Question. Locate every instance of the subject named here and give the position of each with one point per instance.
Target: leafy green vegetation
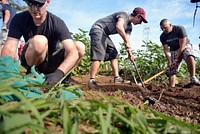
(105, 115)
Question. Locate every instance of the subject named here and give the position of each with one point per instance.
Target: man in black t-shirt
(43, 32)
(177, 47)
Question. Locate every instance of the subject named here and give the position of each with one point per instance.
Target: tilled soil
(181, 103)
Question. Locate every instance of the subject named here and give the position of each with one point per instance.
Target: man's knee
(39, 44)
(190, 58)
(80, 47)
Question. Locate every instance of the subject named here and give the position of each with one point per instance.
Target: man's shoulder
(124, 12)
(162, 35)
(178, 27)
(24, 15)
(53, 16)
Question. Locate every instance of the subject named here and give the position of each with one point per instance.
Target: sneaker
(121, 80)
(67, 81)
(194, 81)
(93, 85)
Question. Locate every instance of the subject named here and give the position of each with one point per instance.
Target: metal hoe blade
(139, 74)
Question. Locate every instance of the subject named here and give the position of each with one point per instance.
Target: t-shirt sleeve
(14, 29)
(124, 15)
(181, 33)
(162, 39)
(63, 31)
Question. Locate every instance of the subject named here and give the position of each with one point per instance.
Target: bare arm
(71, 56)
(10, 47)
(125, 36)
(122, 33)
(167, 53)
(182, 44)
(7, 16)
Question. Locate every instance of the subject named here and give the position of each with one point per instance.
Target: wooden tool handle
(156, 75)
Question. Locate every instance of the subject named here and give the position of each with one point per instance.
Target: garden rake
(143, 95)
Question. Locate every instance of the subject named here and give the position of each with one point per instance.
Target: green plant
(108, 114)
(150, 59)
(85, 63)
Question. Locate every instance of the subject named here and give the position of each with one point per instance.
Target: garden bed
(181, 103)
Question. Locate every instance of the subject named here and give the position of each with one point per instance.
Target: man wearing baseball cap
(140, 11)
(102, 47)
(43, 32)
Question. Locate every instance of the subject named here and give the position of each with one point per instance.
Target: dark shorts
(49, 65)
(102, 47)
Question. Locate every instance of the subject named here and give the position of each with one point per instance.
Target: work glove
(53, 78)
(4, 26)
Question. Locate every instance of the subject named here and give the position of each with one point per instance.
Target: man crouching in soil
(42, 32)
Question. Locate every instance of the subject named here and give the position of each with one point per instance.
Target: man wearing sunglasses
(102, 47)
(8, 13)
(43, 33)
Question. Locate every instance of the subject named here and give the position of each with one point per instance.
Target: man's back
(108, 23)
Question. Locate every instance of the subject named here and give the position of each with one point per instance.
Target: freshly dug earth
(181, 103)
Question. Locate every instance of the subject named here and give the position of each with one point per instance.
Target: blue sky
(82, 14)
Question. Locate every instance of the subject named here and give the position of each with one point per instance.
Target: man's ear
(48, 1)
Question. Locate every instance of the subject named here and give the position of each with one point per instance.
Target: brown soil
(181, 103)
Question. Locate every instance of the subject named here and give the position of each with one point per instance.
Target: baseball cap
(140, 11)
(40, 1)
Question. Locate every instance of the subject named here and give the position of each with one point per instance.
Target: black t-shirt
(172, 38)
(53, 28)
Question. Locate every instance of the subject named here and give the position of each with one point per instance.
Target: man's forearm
(69, 62)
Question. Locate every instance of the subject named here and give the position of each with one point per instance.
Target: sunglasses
(31, 3)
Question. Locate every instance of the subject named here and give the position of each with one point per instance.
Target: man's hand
(53, 78)
(172, 65)
(127, 46)
(130, 56)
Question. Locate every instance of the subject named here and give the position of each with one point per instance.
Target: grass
(106, 115)
(45, 113)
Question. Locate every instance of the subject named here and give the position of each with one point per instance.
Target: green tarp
(10, 77)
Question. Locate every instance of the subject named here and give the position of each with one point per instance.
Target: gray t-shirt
(172, 38)
(108, 23)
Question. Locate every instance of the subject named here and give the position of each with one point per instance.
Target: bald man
(177, 47)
